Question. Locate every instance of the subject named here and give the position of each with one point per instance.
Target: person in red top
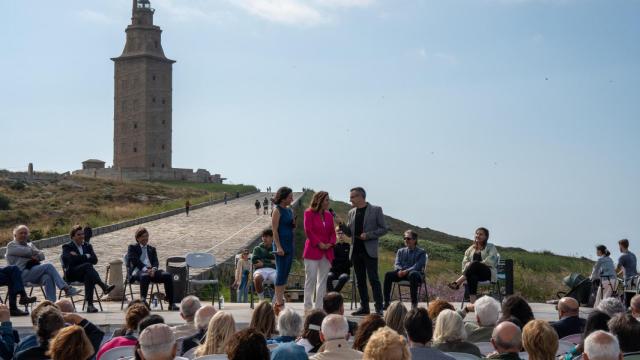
(318, 252)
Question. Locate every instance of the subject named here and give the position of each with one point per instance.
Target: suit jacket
(69, 261)
(374, 226)
(193, 341)
(337, 350)
(569, 326)
(133, 257)
(425, 352)
(317, 233)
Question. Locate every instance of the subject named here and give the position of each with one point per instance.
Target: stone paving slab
(220, 229)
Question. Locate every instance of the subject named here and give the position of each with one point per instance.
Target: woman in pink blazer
(318, 249)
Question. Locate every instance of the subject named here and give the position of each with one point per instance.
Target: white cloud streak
(94, 17)
(290, 12)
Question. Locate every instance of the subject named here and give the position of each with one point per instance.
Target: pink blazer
(318, 232)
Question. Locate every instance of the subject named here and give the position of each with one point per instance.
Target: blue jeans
(243, 288)
(46, 275)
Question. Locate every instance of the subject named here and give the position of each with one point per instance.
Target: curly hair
(386, 344)
(70, 343)
(221, 329)
(368, 325)
(247, 344)
(134, 315)
(264, 319)
(540, 340)
(436, 306)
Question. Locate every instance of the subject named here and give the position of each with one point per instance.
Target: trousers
(88, 275)
(315, 278)
(415, 280)
(365, 266)
(46, 275)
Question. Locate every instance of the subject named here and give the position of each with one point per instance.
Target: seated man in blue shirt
(409, 265)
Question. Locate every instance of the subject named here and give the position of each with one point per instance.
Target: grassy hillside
(51, 208)
(538, 275)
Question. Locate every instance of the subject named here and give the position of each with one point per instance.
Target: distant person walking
(237, 194)
(225, 198)
(187, 205)
(265, 206)
(283, 222)
(365, 225)
(257, 205)
(272, 205)
(318, 252)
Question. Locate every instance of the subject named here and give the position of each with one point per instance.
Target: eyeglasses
(408, 238)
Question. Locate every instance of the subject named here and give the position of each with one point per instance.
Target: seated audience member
(145, 323)
(570, 322)
(436, 306)
(289, 327)
(334, 334)
(134, 315)
(611, 306)
(333, 303)
(11, 277)
(263, 261)
(386, 344)
(143, 264)
(289, 351)
(188, 307)
(517, 310)
(601, 345)
(7, 339)
(597, 320)
(50, 321)
(420, 331)
(507, 341)
(247, 344)
(26, 256)
(65, 306)
(394, 317)
(635, 305)
(540, 340)
(241, 278)
(70, 343)
(221, 327)
(202, 319)
(366, 328)
(487, 311)
(449, 334)
(340, 266)
(78, 259)
(32, 340)
(310, 339)
(263, 319)
(627, 329)
(409, 265)
(157, 342)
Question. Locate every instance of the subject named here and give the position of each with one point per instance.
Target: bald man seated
(157, 342)
(570, 322)
(507, 340)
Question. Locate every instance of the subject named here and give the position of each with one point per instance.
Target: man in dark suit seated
(78, 259)
(570, 323)
(143, 265)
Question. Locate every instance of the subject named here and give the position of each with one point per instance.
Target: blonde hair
(394, 317)
(264, 319)
(221, 329)
(316, 201)
(70, 343)
(540, 340)
(449, 327)
(386, 344)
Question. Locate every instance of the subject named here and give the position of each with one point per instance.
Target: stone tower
(142, 96)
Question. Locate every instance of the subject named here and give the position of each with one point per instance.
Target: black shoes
(17, 312)
(26, 300)
(91, 309)
(361, 312)
(108, 289)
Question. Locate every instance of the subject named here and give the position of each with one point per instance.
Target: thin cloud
(94, 17)
(344, 3)
(290, 12)
(182, 11)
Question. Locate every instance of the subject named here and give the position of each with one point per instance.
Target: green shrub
(36, 234)
(18, 186)
(5, 203)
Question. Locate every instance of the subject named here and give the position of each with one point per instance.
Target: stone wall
(129, 174)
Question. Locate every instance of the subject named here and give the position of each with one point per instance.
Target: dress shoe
(18, 312)
(26, 300)
(379, 312)
(91, 309)
(361, 312)
(71, 291)
(386, 306)
(108, 289)
(173, 307)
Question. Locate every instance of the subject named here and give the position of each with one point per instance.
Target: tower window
(163, 121)
(153, 164)
(135, 149)
(163, 166)
(124, 105)
(163, 101)
(155, 44)
(162, 146)
(153, 99)
(153, 77)
(135, 125)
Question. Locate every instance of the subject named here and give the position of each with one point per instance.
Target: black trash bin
(177, 267)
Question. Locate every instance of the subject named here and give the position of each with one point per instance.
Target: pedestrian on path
(225, 198)
(283, 222)
(187, 205)
(257, 205)
(265, 206)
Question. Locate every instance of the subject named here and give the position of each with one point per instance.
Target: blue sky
(519, 115)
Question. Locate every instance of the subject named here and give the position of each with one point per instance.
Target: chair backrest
(213, 357)
(191, 354)
(485, 347)
(200, 260)
(462, 356)
(564, 347)
(574, 339)
(120, 352)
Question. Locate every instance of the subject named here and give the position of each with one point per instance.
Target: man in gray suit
(365, 224)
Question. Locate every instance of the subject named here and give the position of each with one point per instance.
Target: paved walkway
(218, 229)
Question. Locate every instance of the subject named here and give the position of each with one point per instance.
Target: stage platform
(113, 318)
